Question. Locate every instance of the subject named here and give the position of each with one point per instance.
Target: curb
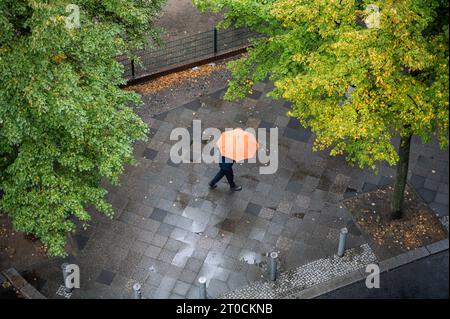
(360, 274)
(21, 285)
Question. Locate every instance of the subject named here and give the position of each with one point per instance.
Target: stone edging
(358, 275)
(19, 283)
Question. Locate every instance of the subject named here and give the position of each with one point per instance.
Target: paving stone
(253, 209)
(426, 194)
(158, 214)
(150, 225)
(173, 245)
(440, 209)
(152, 251)
(166, 256)
(150, 154)
(266, 213)
(173, 271)
(178, 234)
(216, 288)
(425, 161)
(159, 240)
(417, 181)
(145, 236)
(302, 201)
(275, 229)
(181, 288)
(171, 219)
(194, 264)
(443, 188)
(105, 277)
(236, 280)
(188, 276)
(441, 198)
(257, 234)
(194, 105)
(368, 187)
(263, 188)
(431, 184)
(165, 230)
(294, 187)
(384, 181)
(284, 206)
(184, 223)
(280, 218)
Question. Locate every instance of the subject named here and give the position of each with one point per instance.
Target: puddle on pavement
(182, 200)
(251, 258)
(228, 225)
(250, 177)
(193, 179)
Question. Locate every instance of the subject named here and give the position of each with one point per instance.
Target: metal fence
(185, 51)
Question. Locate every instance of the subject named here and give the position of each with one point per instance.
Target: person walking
(226, 169)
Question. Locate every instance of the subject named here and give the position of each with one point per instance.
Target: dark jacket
(226, 164)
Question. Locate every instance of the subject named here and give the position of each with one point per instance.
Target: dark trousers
(224, 172)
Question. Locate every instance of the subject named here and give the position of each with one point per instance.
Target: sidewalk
(170, 229)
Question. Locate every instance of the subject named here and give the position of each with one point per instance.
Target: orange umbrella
(237, 144)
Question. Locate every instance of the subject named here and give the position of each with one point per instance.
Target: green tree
(357, 72)
(65, 125)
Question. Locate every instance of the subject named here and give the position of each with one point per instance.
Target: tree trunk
(402, 175)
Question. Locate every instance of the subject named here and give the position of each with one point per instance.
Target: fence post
(216, 48)
(342, 240)
(133, 73)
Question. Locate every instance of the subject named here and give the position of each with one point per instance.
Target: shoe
(236, 188)
(212, 186)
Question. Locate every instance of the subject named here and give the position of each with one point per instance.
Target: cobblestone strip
(306, 276)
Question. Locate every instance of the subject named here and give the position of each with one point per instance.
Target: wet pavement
(170, 228)
(431, 282)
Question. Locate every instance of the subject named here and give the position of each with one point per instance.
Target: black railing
(185, 51)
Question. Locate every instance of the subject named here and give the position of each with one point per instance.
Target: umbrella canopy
(237, 144)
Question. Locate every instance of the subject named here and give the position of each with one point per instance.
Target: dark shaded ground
(6, 289)
(425, 278)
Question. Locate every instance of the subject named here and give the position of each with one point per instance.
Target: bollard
(65, 274)
(342, 239)
(137, 291)
(273, 265)
(202, 287)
